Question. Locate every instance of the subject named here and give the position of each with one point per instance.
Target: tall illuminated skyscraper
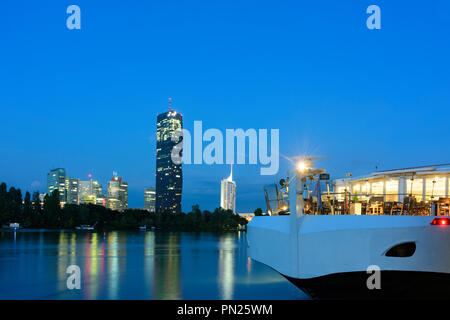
(117, 194)
(169, 176)
(72, 191)
(123, 195)
(150, 199)
(56, 180)
(228, 193)
(89, 191)
(96, 187)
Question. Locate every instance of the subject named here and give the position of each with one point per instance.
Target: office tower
(169, 177)
(96, 187)
(56, 180)
(86, 194)
(117, 198)
(123, 195)
(88, 191)
(150, 199)
(85, 188)
(113, 202)
(101, 200)
(72, 194)
(228, 193)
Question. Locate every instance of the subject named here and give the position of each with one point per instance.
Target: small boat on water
(146, 228)
(336, 254)
(13, 225)
(86, 227)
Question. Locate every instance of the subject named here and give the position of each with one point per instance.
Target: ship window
(377, 189)
(415, 188)
(392, 190)
(340, 193)
(402, 250)
(435, 188)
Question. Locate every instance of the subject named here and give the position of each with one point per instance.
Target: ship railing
(346, 203)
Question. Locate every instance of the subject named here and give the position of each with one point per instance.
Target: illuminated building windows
(228, 193)
(414, 187)
(340, 193)
(150, 199)
(377, 188)
(365, 188)
(392, 190)
(434, 188)
(169, 176)
(448, 187)
(426, 186)
(56, 180)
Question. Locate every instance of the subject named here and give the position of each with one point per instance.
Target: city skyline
(76, 191)
(332, 87)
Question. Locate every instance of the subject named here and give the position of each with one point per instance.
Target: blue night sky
(87, 99)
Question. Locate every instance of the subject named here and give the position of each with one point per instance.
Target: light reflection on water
(135, 265)
(226, 264)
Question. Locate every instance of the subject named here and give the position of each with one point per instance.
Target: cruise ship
(386, 235)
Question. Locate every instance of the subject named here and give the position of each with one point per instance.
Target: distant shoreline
(111, 230)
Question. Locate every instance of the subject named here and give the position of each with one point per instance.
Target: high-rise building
(56, 180)
(117, 198)
(84, 188)
(123, 195)
(101, 200)
(150, 199)
(88, 191)
(169, 177)
(228, 193)
(72, 194)
(113, 202)
(96, 187)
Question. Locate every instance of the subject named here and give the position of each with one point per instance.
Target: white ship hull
(328, 256)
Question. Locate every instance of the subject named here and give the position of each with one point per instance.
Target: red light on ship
(440, 222)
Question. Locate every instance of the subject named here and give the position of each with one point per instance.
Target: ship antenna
(170, 104)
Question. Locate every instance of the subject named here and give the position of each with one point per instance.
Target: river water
(135, 265)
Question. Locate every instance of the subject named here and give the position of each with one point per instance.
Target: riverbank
(29, 213)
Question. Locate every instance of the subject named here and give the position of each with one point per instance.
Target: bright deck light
(301, 166)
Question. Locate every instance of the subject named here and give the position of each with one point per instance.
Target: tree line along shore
(29, 213)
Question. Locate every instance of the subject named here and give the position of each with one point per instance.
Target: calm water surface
(135, 265)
